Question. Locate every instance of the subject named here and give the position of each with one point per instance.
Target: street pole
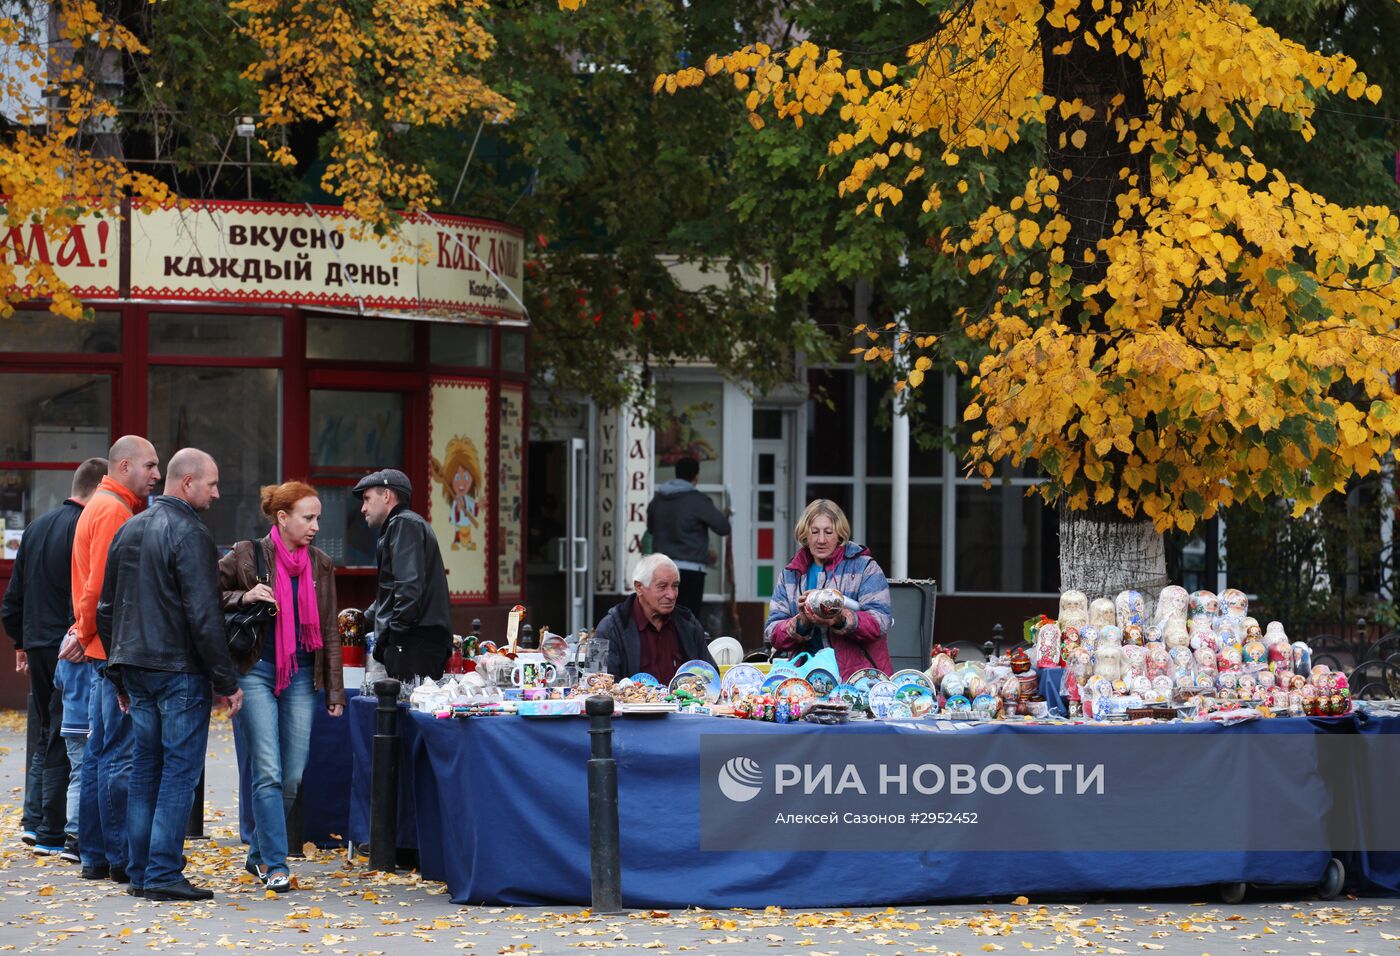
(605, 853)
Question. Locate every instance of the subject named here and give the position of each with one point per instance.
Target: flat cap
(385, 478)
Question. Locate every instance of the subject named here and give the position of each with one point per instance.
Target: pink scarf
(309, 639)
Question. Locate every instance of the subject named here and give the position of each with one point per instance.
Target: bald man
(133, 468)
(161, 621)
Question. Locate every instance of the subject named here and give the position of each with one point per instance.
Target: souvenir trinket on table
(1173, 603)
(824, 682)
(739, 681)
(881, 697)
(1047, 645)
(1102, 613)
(351, 624)
(1020, 661)
(863, 678)
(1204, 604)
(1074, 609)
(1130, 608)
(1133, 634)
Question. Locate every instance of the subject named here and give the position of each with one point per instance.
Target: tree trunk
(1101, 554)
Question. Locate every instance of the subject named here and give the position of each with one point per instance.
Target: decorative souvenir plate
(866, 676)
(704, 668)
(823, 682)
(911, 676)
(796, 690)
(643, 678)
(699, 686)
(783, 669)
(771, 682)
(881, 697)
(853, 696)
(740, 680)
(555, 650)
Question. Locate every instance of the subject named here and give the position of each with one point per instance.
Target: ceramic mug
(526, 673)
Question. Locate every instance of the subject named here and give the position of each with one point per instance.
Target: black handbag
(245, 623)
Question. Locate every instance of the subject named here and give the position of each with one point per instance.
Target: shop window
(233, 414)
(352, 434)
(358, 340)
(512, 350)
(24, 496)
(926, 419)
(55, 416)
(842, 494)
(468, 345)
(1006, 541)
(925, 528)
(831, 422)
(692, 426)
(220, 335)
(33, 331)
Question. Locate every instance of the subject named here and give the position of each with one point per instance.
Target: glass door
(557, 543)
(352, 433)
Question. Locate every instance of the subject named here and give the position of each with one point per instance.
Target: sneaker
(98, 871)
(70, 851)
(42, 850)
(279, 882)
(28, 837)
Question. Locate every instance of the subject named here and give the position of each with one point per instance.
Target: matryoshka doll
(1162, 687)
(1255, 654)
(1089, 638)
(1229, 659)
(1247, 687)
(1108, 662)
(1159, 662)
(1175, 634)
(1132, 634)
(1047, 644)
(1302, 658)
(1134, 661)
(1230, 634)
(1130, 608)
(1173, 602)
(1205, 660)
(1152, 634)
(1234, 604)
(1110, 634)
(1204, 604)
(1074, 609)
(1183, 667)
(1102, 613)
(1202, 634)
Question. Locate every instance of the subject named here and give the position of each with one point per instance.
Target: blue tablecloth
(325, 785)
(515, 791)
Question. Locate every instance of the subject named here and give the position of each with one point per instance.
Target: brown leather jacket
(238, 573)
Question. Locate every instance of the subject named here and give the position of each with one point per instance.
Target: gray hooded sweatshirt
(680, 518)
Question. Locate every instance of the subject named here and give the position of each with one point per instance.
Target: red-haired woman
(297, 656)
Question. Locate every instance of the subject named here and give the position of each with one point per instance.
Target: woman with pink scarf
(297, 656)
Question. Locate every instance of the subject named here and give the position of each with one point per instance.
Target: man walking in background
(38, 611)
(132, 472)
(680, 519)
(161, 622)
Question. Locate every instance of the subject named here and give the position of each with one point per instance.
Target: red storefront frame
(130, 370)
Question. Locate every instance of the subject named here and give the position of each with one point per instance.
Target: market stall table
(515, 793)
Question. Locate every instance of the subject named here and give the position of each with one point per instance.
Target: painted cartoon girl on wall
(460, 476)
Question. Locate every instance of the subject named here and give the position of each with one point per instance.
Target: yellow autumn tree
(364, 71)
(1175, 326)
(50, 176)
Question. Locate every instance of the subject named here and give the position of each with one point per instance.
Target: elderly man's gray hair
(646, 568)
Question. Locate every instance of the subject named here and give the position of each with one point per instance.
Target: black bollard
(605, 851)
(194, 826)
(384, 779)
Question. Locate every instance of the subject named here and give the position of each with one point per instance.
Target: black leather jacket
(412, 615)
(160, 607)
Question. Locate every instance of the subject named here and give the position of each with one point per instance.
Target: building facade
(287, 347)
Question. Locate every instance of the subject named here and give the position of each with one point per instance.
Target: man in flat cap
(412, 617)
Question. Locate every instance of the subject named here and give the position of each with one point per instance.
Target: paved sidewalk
(342, 908)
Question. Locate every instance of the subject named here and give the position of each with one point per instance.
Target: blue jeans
(170, 721)
(277, 732)
(77, 746)
(106, 773)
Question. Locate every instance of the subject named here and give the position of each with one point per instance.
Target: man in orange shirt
(132, 472)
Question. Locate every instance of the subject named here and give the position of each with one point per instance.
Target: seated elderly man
(649, 632)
